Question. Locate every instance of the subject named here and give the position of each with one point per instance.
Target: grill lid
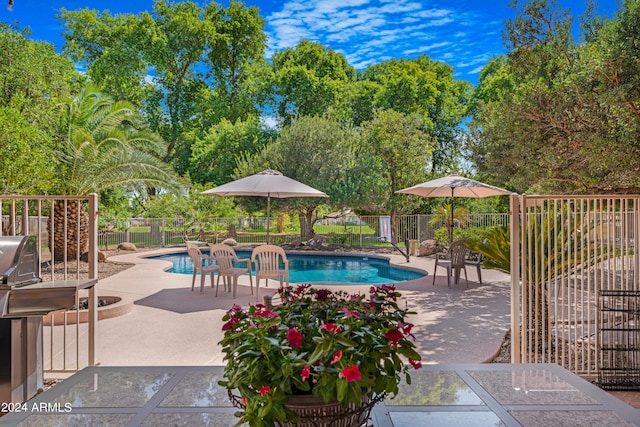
(18, 261)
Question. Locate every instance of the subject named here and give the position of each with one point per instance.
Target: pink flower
(393, 335)
(349, 313)
(294, 337)
(243, 401)
(331, 327)
(264, 390)
(306, 373)
(350, 373)
(389, 288)
(416, 365)
(336, 357)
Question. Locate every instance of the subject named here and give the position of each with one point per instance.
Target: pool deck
(160, 362)
(170, 325)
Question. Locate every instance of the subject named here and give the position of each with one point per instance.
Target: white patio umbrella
(454, 186)
(268, 183)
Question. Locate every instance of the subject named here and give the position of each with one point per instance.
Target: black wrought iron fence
(356, 231)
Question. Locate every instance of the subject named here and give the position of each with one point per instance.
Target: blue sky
(463, 33)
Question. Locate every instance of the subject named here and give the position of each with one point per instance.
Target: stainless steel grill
(24, 299)
(18, 261)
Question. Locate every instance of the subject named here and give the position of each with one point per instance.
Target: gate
(566, 251)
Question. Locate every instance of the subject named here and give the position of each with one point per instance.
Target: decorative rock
(127, 246)
(429, 247)
(317, 241)
(230, 242)
(296, 242)
(102, 257)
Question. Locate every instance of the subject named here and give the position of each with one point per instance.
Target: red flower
(294, 337)
(416, 365)
(336, 357)
(301, 288)
(393, 335)
(350, 373)
(323, 294)
(266, 313)
(306, 372)
(243, 401)
(331, 327)
(265, 389)
(230, 323)
(406, 327)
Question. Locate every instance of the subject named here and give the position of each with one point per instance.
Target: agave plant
(551, 234)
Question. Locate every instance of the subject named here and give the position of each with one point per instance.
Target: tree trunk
(77, 222)
(308, 225)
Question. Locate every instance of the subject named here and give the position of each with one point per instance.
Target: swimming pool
(320, 269)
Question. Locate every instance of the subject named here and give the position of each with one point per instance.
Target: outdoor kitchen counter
(470, 395)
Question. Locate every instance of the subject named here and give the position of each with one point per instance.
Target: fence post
(162, 235)
(516, 204)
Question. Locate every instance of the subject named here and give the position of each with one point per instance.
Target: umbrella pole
(268, 215)
(451, 220)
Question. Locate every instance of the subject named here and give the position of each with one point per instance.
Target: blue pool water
(320, 269)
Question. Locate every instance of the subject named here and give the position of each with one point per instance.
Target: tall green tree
(214, 157)
(562, 122)
(187, 67)
(320, 152)
(236, 58)
(310, 79)
(426, 87)
(34, 81)
(402, 149)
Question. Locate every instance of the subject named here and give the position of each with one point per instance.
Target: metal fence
(66, 229)
(565, 252)
(356, 231)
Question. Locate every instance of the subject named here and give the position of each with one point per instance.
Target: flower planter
(314, 412)
(325, 343)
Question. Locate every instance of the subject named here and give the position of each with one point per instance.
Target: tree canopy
(559, 115)
(558, 112)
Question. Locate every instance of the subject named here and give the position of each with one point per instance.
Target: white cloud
(371, 31)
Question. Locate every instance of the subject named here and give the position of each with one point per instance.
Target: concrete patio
(171, 325)
(160, 362)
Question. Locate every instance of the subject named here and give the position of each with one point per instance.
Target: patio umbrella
(454, 186)
(268, 183)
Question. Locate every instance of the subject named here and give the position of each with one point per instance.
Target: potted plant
(339, 351)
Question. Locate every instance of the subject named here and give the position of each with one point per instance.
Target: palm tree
(105, 146)
(443, 216)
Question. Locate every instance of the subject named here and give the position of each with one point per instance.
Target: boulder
(102, 257)
(429, 247)
(317, 241)
(230, 242)
(127, 246)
